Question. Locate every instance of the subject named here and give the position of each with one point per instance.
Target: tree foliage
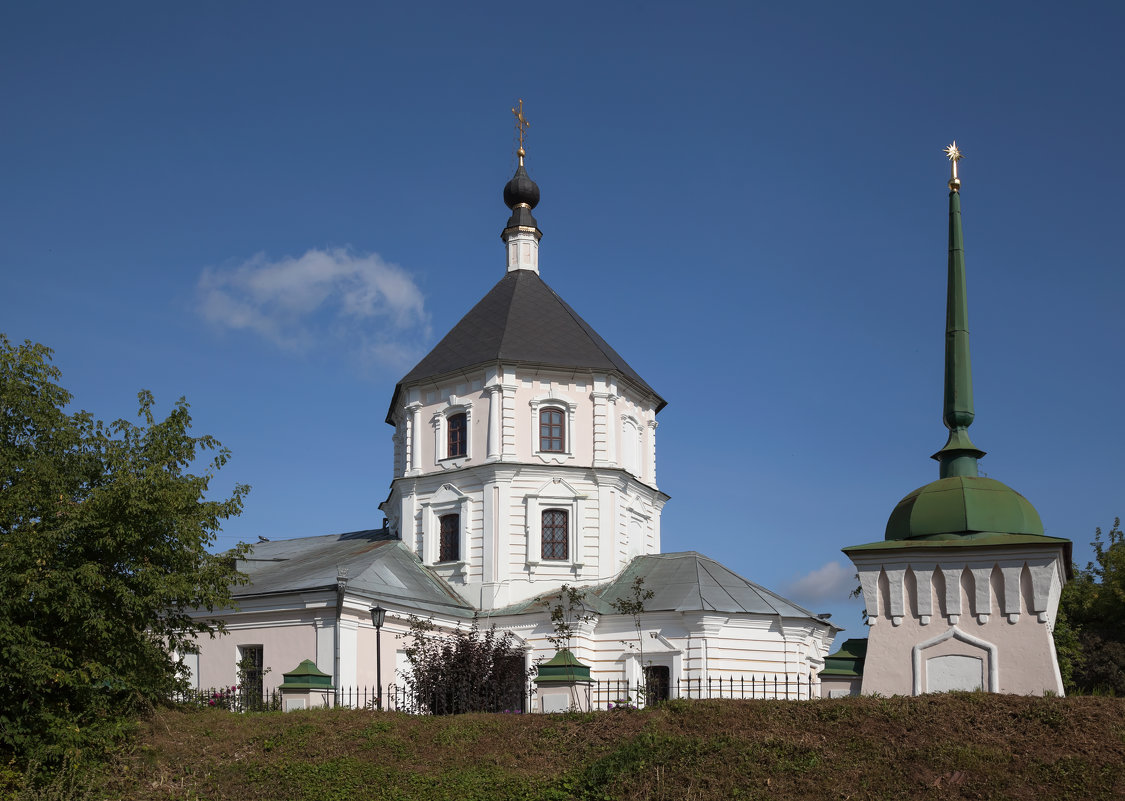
(1090, 633)
(465, 670)
(103, 554)
(633, 605)
(568, 613)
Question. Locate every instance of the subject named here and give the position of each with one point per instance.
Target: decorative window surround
(555, 494)
(956, 633)
(446, 501)
(440, 423)
(568, 409)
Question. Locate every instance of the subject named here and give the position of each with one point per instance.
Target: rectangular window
(251, 670)
(450, 548)
(551, 436)
(457, 440)
(556, 537)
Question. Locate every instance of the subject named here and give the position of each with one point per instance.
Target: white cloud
(301, 303)
(829, 582)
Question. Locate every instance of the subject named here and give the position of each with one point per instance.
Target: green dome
(961, 506)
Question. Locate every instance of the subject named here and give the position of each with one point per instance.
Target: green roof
(562, 667)
(962, 505)
(848, 661)
(306, 676)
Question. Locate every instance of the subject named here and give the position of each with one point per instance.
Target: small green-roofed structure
(307, 676)
(843, 671)
(306, 686)
(563, 684)
(562, 667)
(848, 661)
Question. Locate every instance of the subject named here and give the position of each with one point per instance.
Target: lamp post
(378, 615)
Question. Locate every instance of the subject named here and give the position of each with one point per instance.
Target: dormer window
(457, 435)
(552, 431)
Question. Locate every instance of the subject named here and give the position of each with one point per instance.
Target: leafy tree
(464, 670)
(103, 555)
(1091, 637)
(634, 605)
(567, 613)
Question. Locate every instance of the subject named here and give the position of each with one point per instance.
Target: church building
(524, 459)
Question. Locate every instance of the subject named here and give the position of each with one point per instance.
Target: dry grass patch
(948, 747)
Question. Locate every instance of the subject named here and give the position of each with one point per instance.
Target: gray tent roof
(689, 581)
(522, 320)
(376, 564)
(683, 582)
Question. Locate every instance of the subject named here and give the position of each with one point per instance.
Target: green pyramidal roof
(562, 667)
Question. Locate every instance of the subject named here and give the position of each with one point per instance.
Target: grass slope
(939, 746)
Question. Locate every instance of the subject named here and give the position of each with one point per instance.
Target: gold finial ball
(521, 153)
(955, 184)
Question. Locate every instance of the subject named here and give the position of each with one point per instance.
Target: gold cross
(954, 156)
(521, 126)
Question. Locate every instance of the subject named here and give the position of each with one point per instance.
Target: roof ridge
(701, 567)
(508, 310)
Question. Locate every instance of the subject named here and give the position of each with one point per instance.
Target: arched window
(552, 438)
(556, 534)
(456, 439)
(449, 548)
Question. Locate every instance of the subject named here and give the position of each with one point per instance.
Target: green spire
(959, 456)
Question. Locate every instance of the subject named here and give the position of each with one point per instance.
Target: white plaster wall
(287, 637)
(614, 518)
(599, 404)
(1006, 598)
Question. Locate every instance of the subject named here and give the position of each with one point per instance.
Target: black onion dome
(521, 189)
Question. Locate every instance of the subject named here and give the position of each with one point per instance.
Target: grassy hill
(942, 747)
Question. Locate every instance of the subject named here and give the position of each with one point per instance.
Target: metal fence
(605, 694)
(612, 693)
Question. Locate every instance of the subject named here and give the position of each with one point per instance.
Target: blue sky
(274, 208)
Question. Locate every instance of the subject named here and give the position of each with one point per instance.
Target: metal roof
(689, 581)
(375, 563)
(522, 320)
(686, 581)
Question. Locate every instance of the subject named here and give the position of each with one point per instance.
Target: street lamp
(378, 615)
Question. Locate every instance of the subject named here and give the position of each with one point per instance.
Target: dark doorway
(658, 684)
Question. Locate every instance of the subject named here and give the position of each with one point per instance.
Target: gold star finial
(954, 155)
(521, 128)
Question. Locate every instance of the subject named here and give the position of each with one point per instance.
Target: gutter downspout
(341, 587)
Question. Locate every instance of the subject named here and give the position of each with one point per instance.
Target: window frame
(454, 406)
(449, 538)
(550, 424)
(447, 500)
(567, 410)
(451, 429)
(256, 675)
(558, 495)
(554, 528)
